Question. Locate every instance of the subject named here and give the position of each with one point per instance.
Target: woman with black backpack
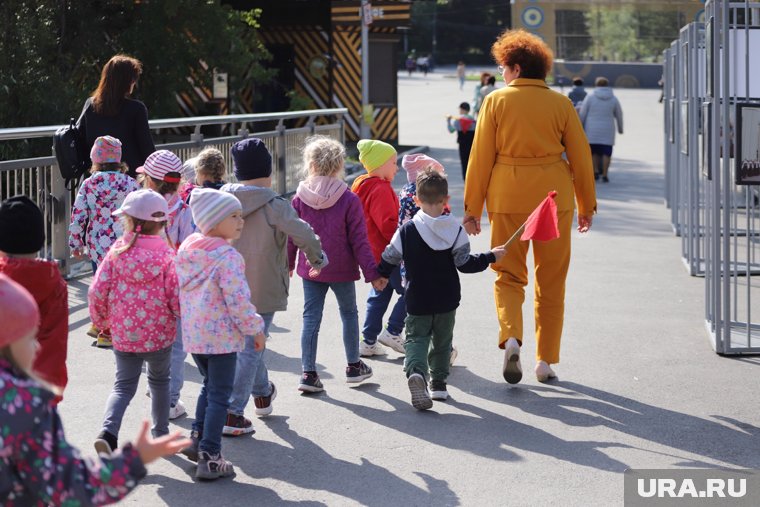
(110, 112)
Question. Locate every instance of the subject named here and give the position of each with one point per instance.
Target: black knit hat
(22, 228)
(252, 159)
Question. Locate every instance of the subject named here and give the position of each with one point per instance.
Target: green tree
(51, 52)
(615, 33)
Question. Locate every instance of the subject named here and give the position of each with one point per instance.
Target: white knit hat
(211, 206)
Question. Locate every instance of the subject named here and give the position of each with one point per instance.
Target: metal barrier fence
(712, 157)
(39, 178)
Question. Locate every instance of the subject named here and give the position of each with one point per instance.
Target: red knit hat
(18, 312)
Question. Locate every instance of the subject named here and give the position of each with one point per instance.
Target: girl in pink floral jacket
(37, 465)
(135, 293)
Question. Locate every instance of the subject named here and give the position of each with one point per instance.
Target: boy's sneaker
(264, 403)
(191, 451)
(367, 350)
(93, 331)
(391, 340)
(420, 395)
(177, 410)
(213, 466)
(438, 390)
(104, 339)
(237, 425)
(453, 356)
(310, 383)
(357, 372)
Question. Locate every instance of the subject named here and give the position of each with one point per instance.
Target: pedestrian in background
(600, 112)
(464, 126)
(577, 93)
(461, 74)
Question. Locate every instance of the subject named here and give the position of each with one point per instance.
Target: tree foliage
(464, 29)
(52, 51)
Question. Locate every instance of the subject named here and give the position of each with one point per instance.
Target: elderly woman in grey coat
(599, 112)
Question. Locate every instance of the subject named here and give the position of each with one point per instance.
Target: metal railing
(39, 177)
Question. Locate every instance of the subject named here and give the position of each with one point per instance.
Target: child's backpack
(71, 153)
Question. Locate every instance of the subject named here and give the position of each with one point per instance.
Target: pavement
(639, 385)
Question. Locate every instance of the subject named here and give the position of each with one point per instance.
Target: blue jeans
(377, 304)
(314, 302)
(218, 372)
(251, 375)
(178, 367)
(129, 366)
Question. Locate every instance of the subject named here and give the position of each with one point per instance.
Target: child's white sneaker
(391, 340)
(177, 410)
(512, 370)
(544, 372)
(367, 350)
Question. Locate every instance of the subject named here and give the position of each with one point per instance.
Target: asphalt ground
(639, 385)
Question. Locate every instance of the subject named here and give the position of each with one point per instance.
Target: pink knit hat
(18, 312)
(162, 165)
(106, 149)
(415, 164)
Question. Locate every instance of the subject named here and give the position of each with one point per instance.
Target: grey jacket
(599, 111)
(269, 221)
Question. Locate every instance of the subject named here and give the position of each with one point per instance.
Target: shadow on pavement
(578, 405)
(305, 464)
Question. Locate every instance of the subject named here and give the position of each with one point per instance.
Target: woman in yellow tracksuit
(521, 134)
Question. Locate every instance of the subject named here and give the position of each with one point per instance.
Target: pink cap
(161, 164)
(18, 312)
(146, 205)
(105, 149)
(417, 163)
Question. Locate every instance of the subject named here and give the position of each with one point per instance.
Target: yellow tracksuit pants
(551, 259)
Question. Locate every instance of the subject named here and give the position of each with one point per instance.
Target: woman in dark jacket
(111, 112)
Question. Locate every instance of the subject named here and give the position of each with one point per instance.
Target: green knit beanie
(373, 154)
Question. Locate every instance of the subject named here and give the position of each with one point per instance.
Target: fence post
(282, 163)
(60, 201)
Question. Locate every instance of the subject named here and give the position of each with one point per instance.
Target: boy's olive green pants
(428, 344)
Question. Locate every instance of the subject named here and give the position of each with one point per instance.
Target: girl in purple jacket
(324, 202)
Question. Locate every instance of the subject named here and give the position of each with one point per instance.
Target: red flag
(542, 223)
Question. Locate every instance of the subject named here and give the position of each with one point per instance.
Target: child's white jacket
(215, 303)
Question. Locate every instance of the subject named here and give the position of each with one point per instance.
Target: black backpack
(70, 149)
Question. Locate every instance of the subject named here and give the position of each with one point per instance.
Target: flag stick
(516, 235)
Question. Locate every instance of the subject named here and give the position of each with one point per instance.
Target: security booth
(317, 54)
(732, 183)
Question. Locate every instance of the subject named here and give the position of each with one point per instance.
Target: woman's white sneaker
(512, 370)
(544, 372)
(391, 340)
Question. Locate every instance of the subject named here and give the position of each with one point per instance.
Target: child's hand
(259, 342)
(150, 449)
(77, 253)
(314, 272)
(291, 273)
(499, 251)
(379, 284)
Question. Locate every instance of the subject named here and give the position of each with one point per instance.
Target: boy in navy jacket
(433, 246)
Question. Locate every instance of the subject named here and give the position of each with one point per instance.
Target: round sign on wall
(532, 17)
